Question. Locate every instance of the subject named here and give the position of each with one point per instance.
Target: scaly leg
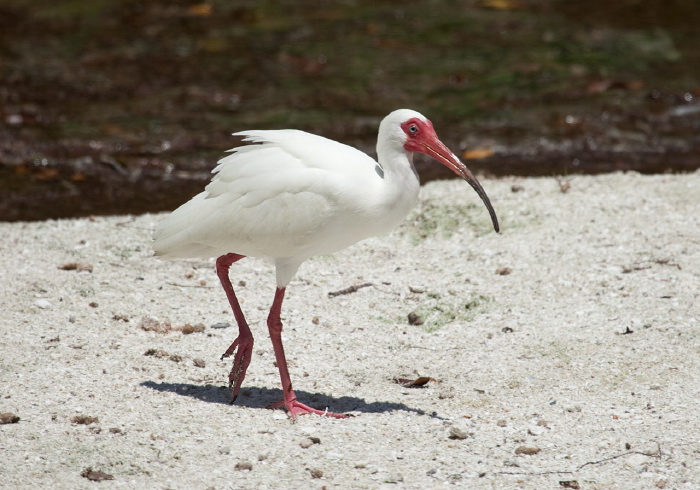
(274, 324)
(244, 341)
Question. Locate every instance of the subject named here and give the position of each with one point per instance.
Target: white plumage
(293, 195)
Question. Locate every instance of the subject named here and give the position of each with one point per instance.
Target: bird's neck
(399, 185)
(397, 164)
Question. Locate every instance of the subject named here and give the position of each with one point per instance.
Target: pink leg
(244, 341)
(274, 324)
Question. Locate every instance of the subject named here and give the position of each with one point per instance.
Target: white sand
(534, 358)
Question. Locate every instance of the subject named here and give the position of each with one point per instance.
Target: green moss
(437, 313)
(444, 219)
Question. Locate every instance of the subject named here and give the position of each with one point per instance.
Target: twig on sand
(655, 454)
(349, 290)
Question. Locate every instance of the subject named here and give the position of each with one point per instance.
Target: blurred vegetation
(124, 105)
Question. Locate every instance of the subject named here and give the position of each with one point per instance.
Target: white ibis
(296, 195)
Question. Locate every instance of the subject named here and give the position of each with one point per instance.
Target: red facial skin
(421, 138)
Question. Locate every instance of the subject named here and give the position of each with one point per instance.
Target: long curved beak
(437, 150)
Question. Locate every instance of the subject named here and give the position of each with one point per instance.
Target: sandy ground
(564, 351)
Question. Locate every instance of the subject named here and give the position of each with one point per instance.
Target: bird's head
(416, 133)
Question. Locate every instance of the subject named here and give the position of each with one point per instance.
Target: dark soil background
(123, 106)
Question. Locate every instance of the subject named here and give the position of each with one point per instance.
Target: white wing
(294, 195)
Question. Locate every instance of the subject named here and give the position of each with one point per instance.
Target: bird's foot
(241, 360)
(295, 407)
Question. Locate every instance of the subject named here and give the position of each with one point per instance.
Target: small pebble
(188, 329)
(85, 419)
(316, 473)
(307, 442)
(393, 478)
(43, 304)
(457, 432)
(221, 325)
(529, 451)
(8, 418)
(570, 484)
(225, 450)
(536, 430)
(198, 362)
(244, 466)
(415, 319)
(156, 353)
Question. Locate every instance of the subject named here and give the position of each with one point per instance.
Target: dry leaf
(500, 4)
(414, 383)
(93, 475)
(199, 10)
(47, 173)
(477, 154)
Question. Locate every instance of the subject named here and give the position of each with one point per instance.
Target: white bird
(296, 195)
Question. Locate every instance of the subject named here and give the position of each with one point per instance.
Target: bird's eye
(413, 128)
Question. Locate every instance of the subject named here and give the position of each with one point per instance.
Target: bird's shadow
(258, 397)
